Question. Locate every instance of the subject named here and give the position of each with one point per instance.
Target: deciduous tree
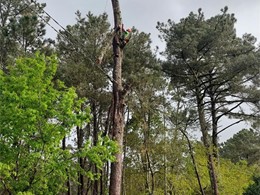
(36, 113)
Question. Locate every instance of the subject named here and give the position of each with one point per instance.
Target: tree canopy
(80, 115)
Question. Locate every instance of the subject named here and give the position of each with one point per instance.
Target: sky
(144, 15)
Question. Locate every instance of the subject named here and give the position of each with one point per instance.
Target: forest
(84, 114)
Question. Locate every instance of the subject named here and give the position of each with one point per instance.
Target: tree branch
(232, 124)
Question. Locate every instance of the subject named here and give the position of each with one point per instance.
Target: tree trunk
(95, 139)
(151, 190)
(80, 136)
(68, 179)
(207, 145)
(213, 118)
(118, 108)
(124, 181)
(193, 162)
(164, 157)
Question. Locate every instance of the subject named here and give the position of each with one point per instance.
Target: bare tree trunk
(68, 178)
(206, 142)
(118, 107)
(148, 156)
(80, 136)
(95, 139)
(151, 173)
(193, 162)
(164, 158)
(124, 152)
(213, 117)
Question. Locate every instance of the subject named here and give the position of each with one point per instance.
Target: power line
(65, 35)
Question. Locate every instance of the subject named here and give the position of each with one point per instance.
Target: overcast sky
(144, 15)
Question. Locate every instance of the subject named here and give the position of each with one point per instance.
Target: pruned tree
(118, 105)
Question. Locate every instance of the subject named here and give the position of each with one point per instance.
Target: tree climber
(124, 36)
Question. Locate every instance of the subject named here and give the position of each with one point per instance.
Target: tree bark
(80, 136)
(118, 108)
(193, 161)
(206, 142)
(213, 117)
(95, 190)
(68, 178)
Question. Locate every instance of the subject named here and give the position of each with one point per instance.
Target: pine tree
(216, 68)
(79, 48)
(22, 30)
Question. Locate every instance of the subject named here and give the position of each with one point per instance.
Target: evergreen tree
(79, 49)
(22, 30)
(215, 68)
(244, 145)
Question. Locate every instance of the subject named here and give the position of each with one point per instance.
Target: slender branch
(228, 111)
(193, 161)
(232, 124)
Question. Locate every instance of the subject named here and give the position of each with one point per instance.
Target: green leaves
(103, 151)
(36, 113)
(254, 188)
(34, 118)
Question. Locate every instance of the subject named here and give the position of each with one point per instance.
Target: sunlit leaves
(35, 115)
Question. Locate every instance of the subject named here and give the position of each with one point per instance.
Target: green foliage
(37, 111)
(214, 70)
(234, 177)
(22, 31)
(205, 55)
(254, 188)
(79, 54)
(181, 178)
(244, 145)
(101, 152)
(35, 115)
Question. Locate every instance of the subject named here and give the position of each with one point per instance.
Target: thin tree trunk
(68, 178)
(205, 139)
(193, 162)
(80, 136)
(214, 118)
(101, 182)
(124, 152)
(118, 107)
(214, 129)
(164, 158)
(147, 155)
(95, 139)
(152, 174)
